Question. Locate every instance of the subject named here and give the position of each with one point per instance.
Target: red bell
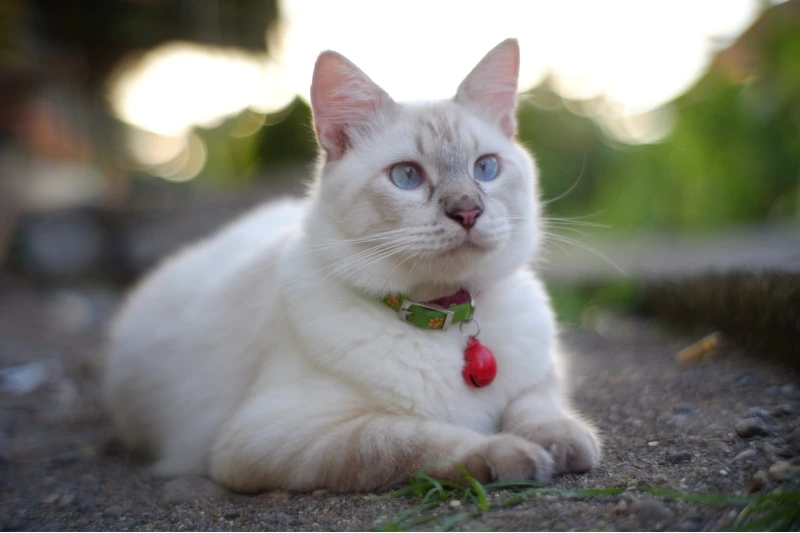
(480, 367)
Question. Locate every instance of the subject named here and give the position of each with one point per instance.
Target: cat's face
(426, 193)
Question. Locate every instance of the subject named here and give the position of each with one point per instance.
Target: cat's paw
(506, 457)
(573, 444)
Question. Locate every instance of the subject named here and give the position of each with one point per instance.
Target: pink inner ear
(491, 88)
(342, 98)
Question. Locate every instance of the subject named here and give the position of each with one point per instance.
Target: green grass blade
(483, 502)
(512, 484)
(451, 521)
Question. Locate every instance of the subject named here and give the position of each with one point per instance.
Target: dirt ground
(664, 425)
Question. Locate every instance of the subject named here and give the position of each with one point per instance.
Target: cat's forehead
(440, 124)
(443, 134)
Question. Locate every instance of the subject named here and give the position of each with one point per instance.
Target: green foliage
(571, 301)
(733, 155)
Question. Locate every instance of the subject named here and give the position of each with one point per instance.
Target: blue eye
(405, 175)
(486, 168)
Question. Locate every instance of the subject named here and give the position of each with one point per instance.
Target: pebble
(649, 510)
(67, 498)
(747, 455)
(113, 511)
(689, 525)
(759, 480)
(621, 507)
(759, 412)
(64, 459)
(659, 479)
(653, 443)
(751, 427)
(188, 488)
(746, 381)
(788, 389)
(455, 504)
(784, 471)
(679, 457)
(782, 410)
(277, 518)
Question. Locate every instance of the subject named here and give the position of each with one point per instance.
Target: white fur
(259, 354)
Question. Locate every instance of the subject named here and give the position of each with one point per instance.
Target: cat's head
(416, 194)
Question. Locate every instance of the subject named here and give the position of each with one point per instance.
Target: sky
(638, 55)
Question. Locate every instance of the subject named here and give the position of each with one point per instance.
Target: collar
(436, 314)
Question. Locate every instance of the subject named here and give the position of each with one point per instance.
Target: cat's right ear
(344, 100)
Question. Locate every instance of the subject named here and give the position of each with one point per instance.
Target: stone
(113, 511)
(782, 410)
(759, 412)
(679, 457)
(759, 481)
(752, 427)
(689, 525)
(650, 511)
(652, 443)
(621, 507)
(188, 488)
(747, 455)
(746, 381)
(455, 504)
(277, 518)
(784, 471)
(788, 390)
(659, 479)
(67, 498)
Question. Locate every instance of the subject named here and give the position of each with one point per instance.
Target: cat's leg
(539, 416)
(361, 451)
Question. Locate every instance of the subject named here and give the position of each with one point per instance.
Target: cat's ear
(344, 100)
(491, 88)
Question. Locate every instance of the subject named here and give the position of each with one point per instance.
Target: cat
(272, 354)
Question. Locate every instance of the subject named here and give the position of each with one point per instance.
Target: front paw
(573, 444)
(507, 457)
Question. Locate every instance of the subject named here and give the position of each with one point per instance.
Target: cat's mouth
(467, 245)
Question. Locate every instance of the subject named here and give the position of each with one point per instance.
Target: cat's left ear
(491, 88)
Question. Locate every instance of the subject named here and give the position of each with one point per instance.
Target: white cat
(267, 357)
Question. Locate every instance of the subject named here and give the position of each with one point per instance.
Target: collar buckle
(405, 311)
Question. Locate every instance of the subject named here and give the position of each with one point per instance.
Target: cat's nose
(466, 218)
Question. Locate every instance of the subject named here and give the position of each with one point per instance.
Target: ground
(664, 425)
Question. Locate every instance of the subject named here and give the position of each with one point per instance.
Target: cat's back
(169, 337)
(192, 273)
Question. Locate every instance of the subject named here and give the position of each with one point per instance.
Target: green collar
(428, 315)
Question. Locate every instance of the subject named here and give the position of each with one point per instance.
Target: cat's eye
(405, 175)
(486, 168)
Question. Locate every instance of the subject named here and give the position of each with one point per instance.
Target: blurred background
(667, 135)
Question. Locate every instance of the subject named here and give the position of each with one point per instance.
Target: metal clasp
(405, 311)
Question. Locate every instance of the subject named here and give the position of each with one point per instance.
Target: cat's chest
(399, 367)
(436, 387)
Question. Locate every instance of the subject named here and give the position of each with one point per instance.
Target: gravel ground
(725, 424)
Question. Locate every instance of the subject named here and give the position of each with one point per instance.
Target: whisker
(583, 246)
(562, 195)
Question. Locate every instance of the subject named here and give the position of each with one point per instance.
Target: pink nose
(466, 218)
